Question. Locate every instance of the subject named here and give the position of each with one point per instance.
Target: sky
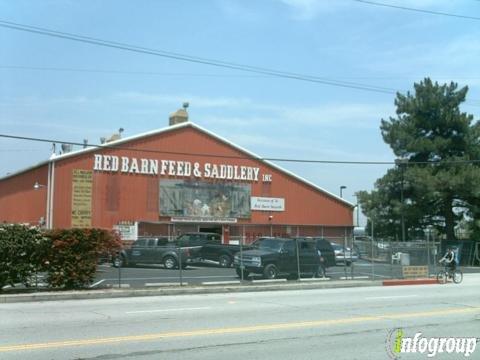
(65, 90)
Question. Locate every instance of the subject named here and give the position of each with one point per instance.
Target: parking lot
(196, 274)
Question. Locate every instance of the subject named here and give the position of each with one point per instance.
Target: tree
(441, 177)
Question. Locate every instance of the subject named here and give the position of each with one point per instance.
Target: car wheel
(224, 261)
(239, 273)
(270, 272)
(169, 262)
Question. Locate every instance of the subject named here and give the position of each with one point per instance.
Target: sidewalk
(184, 290)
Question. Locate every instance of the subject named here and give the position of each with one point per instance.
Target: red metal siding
(119, 197)
(19, 201)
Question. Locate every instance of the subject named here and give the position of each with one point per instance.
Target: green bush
(20, 257)
(72, 255)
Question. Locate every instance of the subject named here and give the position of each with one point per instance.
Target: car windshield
(267, 244)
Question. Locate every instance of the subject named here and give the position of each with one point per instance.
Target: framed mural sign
(197, 199)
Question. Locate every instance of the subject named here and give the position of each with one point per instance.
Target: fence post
(242, 239)
(119, 275)
(373, 255)
(351, 254)
(180, 267)
(298, 259)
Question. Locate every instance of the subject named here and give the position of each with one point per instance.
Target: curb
(181, 290)
(396, 282)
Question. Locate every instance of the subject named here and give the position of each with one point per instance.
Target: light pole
(401, 163)
(358, 209)
(341, 190)
(45, 222)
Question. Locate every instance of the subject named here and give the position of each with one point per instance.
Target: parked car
(274, 257)
(208, 246)
(154, 250)
(344, 255)
(325, 248)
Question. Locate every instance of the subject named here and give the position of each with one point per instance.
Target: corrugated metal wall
(134, 197)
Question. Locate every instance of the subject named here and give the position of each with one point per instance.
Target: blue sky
(343, 40)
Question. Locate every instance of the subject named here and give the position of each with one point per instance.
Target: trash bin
(405, 259)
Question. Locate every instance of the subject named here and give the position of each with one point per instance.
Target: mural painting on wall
(201, 199)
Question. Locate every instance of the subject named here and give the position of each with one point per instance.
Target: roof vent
(179, 116)
(116, 136)
(66, 148)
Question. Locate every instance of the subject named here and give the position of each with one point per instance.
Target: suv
(273, 257)
(208, 246)
(325, 247)
(153, 251)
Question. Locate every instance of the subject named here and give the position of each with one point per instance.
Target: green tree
(441, 178)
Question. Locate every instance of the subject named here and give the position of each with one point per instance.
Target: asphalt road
(353, 323)
(139, 277)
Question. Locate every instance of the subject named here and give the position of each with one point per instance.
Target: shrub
(72, 255)
(20, 257)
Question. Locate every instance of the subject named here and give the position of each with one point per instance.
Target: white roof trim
(54, 158)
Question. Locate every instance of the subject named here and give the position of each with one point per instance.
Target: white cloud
(309, 9)
(340, 115)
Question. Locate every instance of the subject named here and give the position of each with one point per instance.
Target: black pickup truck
(155, 250)
(274, 257)
(208, 246)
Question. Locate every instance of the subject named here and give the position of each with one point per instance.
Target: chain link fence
(354, 257)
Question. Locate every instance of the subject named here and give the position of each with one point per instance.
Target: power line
(249, 157)
(107, 71)
(115, 71)
(194, 59)
(417, 10)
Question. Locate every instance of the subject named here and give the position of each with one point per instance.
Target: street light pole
(358, 210)
(341, 190)
(402, 162)
(46, 221)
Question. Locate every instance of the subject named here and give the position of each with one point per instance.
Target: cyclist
(449, 260)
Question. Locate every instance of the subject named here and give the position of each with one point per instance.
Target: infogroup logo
(398, 343)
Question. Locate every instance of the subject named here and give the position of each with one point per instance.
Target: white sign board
(267, 204)
(127, 231)
(199, 219)
(186, 169)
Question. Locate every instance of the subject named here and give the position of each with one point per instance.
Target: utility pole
(401, 163)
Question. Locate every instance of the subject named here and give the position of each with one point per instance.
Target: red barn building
(169, 181)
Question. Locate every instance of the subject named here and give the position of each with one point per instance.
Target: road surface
(353, 323)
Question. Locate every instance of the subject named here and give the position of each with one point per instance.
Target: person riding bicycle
(449, 260)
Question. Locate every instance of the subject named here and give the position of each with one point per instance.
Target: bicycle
(445, 274)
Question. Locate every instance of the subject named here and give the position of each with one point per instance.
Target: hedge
(20, 257)
(68, 257)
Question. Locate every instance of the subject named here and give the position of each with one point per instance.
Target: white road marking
(390, 297)
(171, 278)
(97, 283)
(165, 284)
(167, 310)
(221, 282)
